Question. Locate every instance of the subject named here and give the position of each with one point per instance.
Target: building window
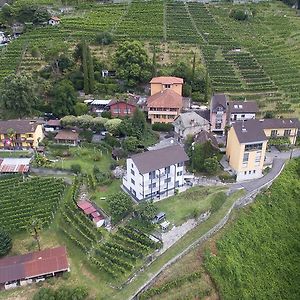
(168, 180)
(252, 147)
(132, 172)
(287, 132)
(127, 111)
(257, 158)
(131, 165)
(179, 173)
(167, 170)
(242, 116)
(245, 173)
(249, 172)
(152, 175)
(152, 186)
(245, 157)
(218, 126)
(116, 110)
(30, 135)
(273, 133)
(167, 86)
(177, 183)
(254, 171)
(132, 181)
(180, 164)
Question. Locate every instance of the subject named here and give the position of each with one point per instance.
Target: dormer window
(167, 86)
(219, 108)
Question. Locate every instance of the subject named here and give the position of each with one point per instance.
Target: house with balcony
(155, 174)
(241, 110)
(189, 123)
(122, 108)
(281, 128)
(246, 149)
(20, 134)
(218, 113)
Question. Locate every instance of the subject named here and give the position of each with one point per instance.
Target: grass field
(14, 154)
(187, 205)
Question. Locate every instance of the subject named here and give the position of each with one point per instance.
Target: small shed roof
(67, 135)
(83, 204)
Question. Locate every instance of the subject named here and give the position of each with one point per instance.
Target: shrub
(218, 201)
(76, 168)
(104, 38)
(211, 165)
(239, 15)
(5, 242)
(162, 127)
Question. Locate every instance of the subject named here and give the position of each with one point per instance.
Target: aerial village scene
(149, 149)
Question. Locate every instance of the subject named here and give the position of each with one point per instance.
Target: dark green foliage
(18, 95)
(146, 211)
(258, 256)
(139, 123)
(211, 165)
(40, 16)
(64, 98)
(166, 127)
(131, 144)
(104, 38)
(62, 293)
(5, 242)
(91, 75)
(120, 205)
(239, 15)
(218, 201)
(269, 115)
(86, 85)
(76, 168)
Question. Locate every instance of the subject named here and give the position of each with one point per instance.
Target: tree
(80, 109)
(146, 211)
(86, 85)
(131, 143)
(34, 227)
(112, 126)
(269, 115)
(139, 123)
(132, 62)
(76, 168)
(211, 165)
(120, 205)
(207, 88)
(40, 16)
(7, 13)
(64, 98)
(5, 242)
(104, 38)
(90, 70)
(53, 53)
(154, 65)
(18, 95)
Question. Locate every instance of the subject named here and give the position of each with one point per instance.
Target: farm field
(254, 256)
(266, 68)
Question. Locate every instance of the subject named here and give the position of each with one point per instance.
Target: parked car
(161, 216)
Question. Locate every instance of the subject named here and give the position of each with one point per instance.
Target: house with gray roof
(155, 174)
(218, 112)
(241, 110)
(190, 123)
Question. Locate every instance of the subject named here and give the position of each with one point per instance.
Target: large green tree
(18, 95)
(139, 123)
(64, 98)
(132, 62)
(120, 205)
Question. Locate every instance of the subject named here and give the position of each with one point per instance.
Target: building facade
(20, 134)
(162, 83)
(155, 174)
(121, 108)
(246, 149)
(218, 113)
(241, 110)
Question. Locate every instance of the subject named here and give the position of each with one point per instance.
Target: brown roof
(20, 126)
(67, 135)
(114, 101)
(156, 159)
(33, 264)
(166, 98)
(249, 131)
(167, 80)
(55, 18)
(280, 123)
(55, 123)
(205, 136)
(218, 100)
(242, 106)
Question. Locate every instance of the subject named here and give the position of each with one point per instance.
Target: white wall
(241, 176)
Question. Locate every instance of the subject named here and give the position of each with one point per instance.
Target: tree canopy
(5, 242)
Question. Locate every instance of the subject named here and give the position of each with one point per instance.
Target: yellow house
(162, 83)
(19, 134)
(246, 149)
(277, 128)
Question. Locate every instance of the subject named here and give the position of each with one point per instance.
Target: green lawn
(186, 205)
(5, 154)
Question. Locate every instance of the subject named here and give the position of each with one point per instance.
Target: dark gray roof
(280, 123)
(204, 114)
(205, 136)
(249, 131)
(242, 107)
(20, 126)
(218, 100)
(156, 159)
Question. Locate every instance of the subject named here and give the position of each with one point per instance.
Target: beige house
(162, 83)
(20, 134)
(246, 148)
(277, 128)
(190, 123)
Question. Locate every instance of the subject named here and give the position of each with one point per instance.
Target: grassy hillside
(266, 69)
(258, 257)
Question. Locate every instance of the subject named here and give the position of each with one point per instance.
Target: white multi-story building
(241, 110)
(155, 174)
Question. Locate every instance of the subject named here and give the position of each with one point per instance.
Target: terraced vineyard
(265, 65)
(34, 197)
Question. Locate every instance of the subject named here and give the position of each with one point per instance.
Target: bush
(76, 168)
(211, 165)
(5, 242)
(218, 201)
(120, 205)
(165, 127)
(104, 38)
(239, 15)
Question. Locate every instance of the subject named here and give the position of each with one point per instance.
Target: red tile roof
(166, 98)
(67, 135)
(53, 123)
(90, 210)
(55, 18)
(33, 264)
(167, 80)
(83, 204)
